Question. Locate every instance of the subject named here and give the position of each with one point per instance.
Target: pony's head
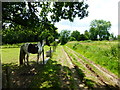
(41, 43)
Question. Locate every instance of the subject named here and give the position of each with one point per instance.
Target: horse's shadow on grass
(39, 76)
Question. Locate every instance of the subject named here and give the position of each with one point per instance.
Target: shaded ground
(65, 70)
(33, 76)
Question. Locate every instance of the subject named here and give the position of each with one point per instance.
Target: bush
(72, 39)
(88, 40)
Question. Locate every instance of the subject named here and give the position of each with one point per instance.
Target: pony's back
(33, 48)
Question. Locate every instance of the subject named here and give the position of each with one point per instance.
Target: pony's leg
(38, 57)
(27, 59)
(24, 59)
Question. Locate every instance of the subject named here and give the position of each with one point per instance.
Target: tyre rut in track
(74, 72)
(76, 82)
(113, 79)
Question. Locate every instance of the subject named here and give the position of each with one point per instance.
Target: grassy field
(58, 72)
(10, 53)
(48, 76)
(104, 53)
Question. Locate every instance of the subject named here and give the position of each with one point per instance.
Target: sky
(98, 9)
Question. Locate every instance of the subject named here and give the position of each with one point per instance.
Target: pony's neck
(39, 44)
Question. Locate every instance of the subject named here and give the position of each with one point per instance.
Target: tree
(83, 37)
(118, 39)
(93, 33)
(64, 36)
(87, 34)
(48, 36)
(18, 35)
(27, 12)
(40, 16)
(76, 35)
(101, 28)
(17, 13)
(72, 39)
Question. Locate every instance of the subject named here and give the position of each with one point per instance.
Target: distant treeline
(66, 36)
(99, 30)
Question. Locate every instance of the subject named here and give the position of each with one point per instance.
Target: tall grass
(104, 53)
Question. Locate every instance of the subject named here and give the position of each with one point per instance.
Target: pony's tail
(22, 55)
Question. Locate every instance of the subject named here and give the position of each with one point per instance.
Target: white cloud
(98, 9)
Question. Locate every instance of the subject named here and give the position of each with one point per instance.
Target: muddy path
(102, 76)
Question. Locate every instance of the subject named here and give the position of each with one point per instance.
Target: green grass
(49, 76)
(10, 53)
(17, 45)
(46, 76)
(104, 53)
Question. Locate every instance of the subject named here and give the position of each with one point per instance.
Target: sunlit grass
(10, 54)
(104, 53)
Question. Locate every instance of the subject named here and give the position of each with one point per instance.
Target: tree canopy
(76, 35)
(37, 17)
(64, 36)
(31, 14)
(100, 28)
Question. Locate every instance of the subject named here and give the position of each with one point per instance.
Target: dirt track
(103, 78)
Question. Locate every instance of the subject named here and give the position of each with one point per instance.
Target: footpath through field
(95, 76)
(82, 73)
(69, 75)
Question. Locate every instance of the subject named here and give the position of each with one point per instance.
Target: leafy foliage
(76, 35)
(72, 39)
(64, 36)
(87, 34)
(68, 10)
(19, 12)
(83, 37)
(37, 17)
(100, 28)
